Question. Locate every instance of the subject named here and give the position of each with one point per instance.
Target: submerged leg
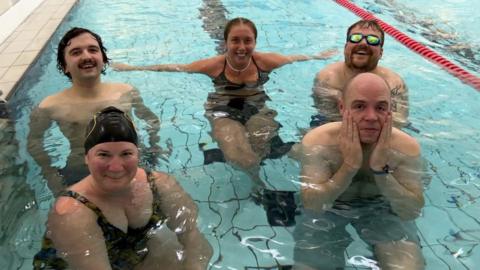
(399, 255)
(231, 136)
(261, 128)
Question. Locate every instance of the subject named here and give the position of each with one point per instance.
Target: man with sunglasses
(363, 50)
(82, 58)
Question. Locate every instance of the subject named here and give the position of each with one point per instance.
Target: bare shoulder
(323, 135)
(390, 76)
(66, 206)
(52, 101)
(69, 213)
(331, 75)
(164, 181)
(404, 143)
(115, 86)
(265, 60)
(211, 66)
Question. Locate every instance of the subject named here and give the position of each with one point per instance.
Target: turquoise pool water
(441, 107)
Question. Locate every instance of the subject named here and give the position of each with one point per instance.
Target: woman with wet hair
(241, 123)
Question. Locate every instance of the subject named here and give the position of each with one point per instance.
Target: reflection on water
(17, 204)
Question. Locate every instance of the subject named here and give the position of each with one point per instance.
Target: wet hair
(65, 41)
(110, 125)
(372, 24)
(236, 21)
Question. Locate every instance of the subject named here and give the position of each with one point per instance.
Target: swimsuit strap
(77, 196)
(157, 213)
(224, 65)
(255, 63)
(262, 74)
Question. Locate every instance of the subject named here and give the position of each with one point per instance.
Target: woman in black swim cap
(113, 215)
(110, 125)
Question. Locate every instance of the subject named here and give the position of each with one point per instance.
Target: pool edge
(22, 48)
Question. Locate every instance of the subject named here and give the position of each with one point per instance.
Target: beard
(365, 66)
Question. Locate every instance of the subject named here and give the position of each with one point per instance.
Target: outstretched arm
(181, 214)
(160, 67)
(206, 66)
(272, 61)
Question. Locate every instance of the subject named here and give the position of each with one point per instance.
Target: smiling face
(83, 58)
(361, 56)
(240, 44)
(368, 99)
(113, 165)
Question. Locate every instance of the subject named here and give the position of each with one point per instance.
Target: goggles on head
(372, 40)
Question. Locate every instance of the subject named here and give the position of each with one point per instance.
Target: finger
(389, 124)
(386, 128)
(383, 132)
(356, 137)
(343, 131)
(350, 126)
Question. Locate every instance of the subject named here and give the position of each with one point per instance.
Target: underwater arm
(320, 186)
(181, 214)
(403, 188)
(154, 151)
(143, 112)
(40, 121)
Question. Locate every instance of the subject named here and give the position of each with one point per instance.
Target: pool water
(442, 108)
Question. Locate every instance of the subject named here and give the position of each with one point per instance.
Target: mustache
(87, 62)
(362, 47)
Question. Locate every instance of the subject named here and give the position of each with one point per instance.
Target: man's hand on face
(349, 142)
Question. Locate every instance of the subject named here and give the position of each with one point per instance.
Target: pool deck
(25, 43)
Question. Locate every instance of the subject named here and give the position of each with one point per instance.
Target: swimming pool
(442, 108)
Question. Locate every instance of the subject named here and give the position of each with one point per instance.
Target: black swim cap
(110, 125)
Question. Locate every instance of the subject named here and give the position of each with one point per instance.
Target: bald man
(364, 172)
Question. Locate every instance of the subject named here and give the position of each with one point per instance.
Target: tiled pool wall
(21, 45)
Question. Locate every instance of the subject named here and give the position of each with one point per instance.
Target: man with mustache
(362, 172)
(82, 57)
(363, 50)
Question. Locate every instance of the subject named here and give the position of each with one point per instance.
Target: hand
(379, 157)
(121, 67)
(349, 142)
(326, 54)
